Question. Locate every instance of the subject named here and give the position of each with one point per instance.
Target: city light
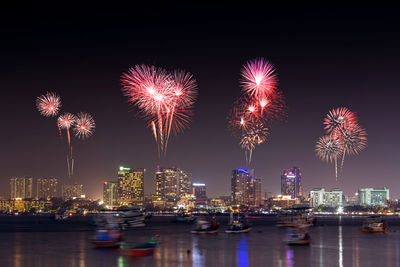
(198, 184)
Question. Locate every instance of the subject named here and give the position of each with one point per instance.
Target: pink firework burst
(84, 125)
(48, 104)
(66, 120)
(258, 78)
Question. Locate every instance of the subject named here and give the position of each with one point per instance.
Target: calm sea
(336, 241)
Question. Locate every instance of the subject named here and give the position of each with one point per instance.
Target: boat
(125, 218)
(184, 217)
(297, 236)
(238, 225)
(203, 226)
(292, 217)
(145, 249)
(107, 238)
(374, 224)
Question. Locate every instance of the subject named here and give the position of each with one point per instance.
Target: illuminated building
(71, 191)
(46, 188)
(131, 186)
(199, 191)
(254, 192)
(21, 187)
(283, 201)
(239, 187)
(186, 202)
(373, 196)
(111, 194)
(171, 184)
(333, 198)
(291, 182)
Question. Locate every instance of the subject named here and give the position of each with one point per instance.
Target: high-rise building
(291, 182)
(111, 194)
(239, 180)
(333, 198)
(71, 191)
(171, 184)
(373, 196)
(254, 192)
(199, 191)
(21, 187)
(46, 188)
(131, 186)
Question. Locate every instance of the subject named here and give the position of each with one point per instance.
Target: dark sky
(325, 59)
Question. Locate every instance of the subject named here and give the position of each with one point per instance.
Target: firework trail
(345, 136)
(84, 125)
(328, 149)
(262, 103)
(66, 121)
(165, 100)
(48, 104)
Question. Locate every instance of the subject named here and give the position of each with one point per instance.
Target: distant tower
(131, 186)
(291, 182)
(21, 187)
(199, 191)
(46, 188)
(239, 187)
(70, 191)
(254, 192)
(111, 194)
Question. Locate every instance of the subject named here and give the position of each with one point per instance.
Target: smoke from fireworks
(84, 125)
(261, 105)
(164, 99)
(48, 104)
(345, 136)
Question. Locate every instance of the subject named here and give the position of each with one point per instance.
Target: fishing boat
(293, 217)
(145, 249)
(374, 224)
(297, 236)
(107, 238)
(184, 218)
(203, 226)
(238, 225)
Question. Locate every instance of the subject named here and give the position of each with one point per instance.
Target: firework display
(165, 100)
(262, 104)
(48, 104)
(83, 124)
(344, 137)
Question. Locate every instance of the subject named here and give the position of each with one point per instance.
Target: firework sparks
(253, 136)
(339, 118)
(328, 149)
(48, 104)
(258, 78)
(84, 125)
(165, 100)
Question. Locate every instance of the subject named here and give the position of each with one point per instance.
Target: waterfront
(336, 241)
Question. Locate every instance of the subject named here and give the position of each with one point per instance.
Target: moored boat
(374, 224)
(238, 225)
(145, 249)
(297, 236)
(204, 226)
(107, 238)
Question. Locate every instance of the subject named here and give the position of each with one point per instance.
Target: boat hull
(202, 232)
(106, 244)
(368, 230)
(238, 231)
(139, 252)
(298, 242)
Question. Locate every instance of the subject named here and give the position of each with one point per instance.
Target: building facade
(21, 187)
(333, 198)
(291, 183)
(131, 186)
(200, 193)
(46, 188)
(239, 181)
(373, 197)
(254, 192)
(111, 194)
(71, 191)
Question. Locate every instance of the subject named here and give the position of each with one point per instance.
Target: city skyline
(325, 59)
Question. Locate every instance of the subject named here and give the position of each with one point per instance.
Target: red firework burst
(339, 119)
(84, 125)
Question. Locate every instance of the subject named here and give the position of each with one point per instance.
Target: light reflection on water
(332, 244)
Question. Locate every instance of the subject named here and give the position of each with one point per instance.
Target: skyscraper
(111, 194)
(171, 184)
(21, 187)
(70, 191)
(239, 187)
(46, 188)
(291, 182)
(131, 186)
(199, 191)
(254, 192)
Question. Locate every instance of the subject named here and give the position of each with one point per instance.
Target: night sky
(324, 58)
